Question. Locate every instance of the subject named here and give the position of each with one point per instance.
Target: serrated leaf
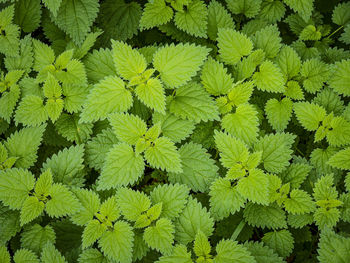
(117, 244)
(233, 45)
(249, 8)
(90, 204)
(28, 14)
(199, 170)
(53, 5)
(108, 96)
(224, 199)
(231, 251)
(155, 13)
(194, 218)
(268, 40)
(279, 113)
(177, 64)
(164, 155)
(271, 216)
(261, 253)
(152, 94)
(193, 20)
(51, 254)
(299, 202)
(192, 102)
(75, 18)
(35, 237)
(128, 128)
(31, 209)
(269, 78)
(25, 256)
(15, 184)
(341, 159)
(310, 115)
(339, 79)
(314, 73)
(62, 201)
(276, 150)
(31, 111)
(93, 231)
(280, 241)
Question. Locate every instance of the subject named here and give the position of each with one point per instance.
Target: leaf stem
(238, 230)
(339, 28)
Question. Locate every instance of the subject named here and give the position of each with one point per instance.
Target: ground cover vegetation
(174, 131)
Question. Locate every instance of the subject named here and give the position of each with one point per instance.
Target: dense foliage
(174, 131)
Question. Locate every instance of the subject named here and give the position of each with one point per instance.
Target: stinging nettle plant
(174, 131)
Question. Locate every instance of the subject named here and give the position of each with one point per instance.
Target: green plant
(174, 131)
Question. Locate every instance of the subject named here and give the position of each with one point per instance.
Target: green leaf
(269, 78)
(15, 185)
(9, 223)
(231, 251)
(51, 255)
(128, 128)
(69, 126)
(132, 203)
(289, 62)
(93, 231)
(341, 159)
(25, 256)
(155, 13)
(9, 38)
(261, 253)
(28, 14)
(163, 155)
(199, 170)
(218, 17)
(99, 64)
(249, 8)
(152, 94)
(31, 111)
(194, 218)
(192, 102)
(62, 201)
(35, 237)
(117, 244)
(177, 64)
(333, 247)
(280, 241)
(233, 45)
(194, 19)
(119, 20)
(224, 199)
(172, 197)
(178, 255)
(215, 78)
(174, 128)
(75, 18)
(201, 245)
(128, 61)
(276, 150)
(98, 147)
(160, 236)
(340, 80)
(271, 216)
(314, 73)
(299, 202)
(310, 115)
(90, 204)
(243, 123)
(268, 39)
(340, 14)
(303, 7)
(108, 96)
(24, 145)
(279, 113)
(123, 166)
(52, 5)
(67, 166)
(31, 209)
(4, 255)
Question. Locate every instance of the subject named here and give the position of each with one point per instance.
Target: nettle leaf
(341, 159)
(199, 170)
(280, 241)
(271, 216)
(279, 113)
(31, 111)
(194, 19)
(152, 94)
(51, 254)
(310, 115)
(262, 253)
(231, 251)
(108, 96)
(276, 151)
(314, 73)
(269, 78)
(303, 8)
(177, 64)
(75, 18)
(52, 5)
(90, 204)
(28, 14)
(289, 62)
(123, 166)
(155, 13)
(339, 79)
(233, 45)
(224, 199)
(218, 17)
(192, 102)
(194, 218)
(160, 236)
(25, 255)
(35, 237)
(268, 40)
(164, 155)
